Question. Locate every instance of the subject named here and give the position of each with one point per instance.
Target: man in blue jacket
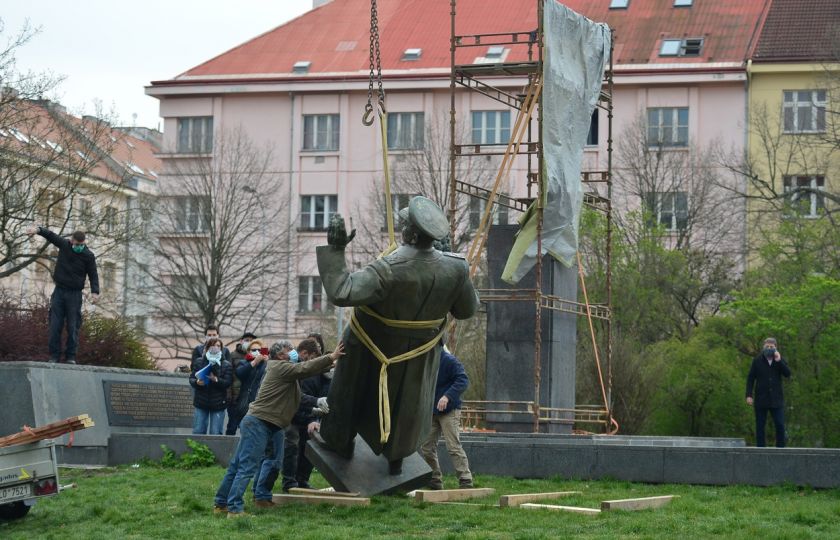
(452, 381)
(765, 375)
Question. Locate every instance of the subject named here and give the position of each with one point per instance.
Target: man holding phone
(765, 376)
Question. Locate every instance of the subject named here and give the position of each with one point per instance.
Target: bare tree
(55, 168)
(219, 246)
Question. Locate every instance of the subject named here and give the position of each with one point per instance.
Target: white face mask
(214, 358)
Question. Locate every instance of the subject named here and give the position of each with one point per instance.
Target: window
(316, 211)
(668, 209)
(412, 54)
(807, 204)
(683, 3)
(85, 215)
(619, 4)
(50, 208)
(681, 47)
(804, 111)
(668, 126)
(192, 214)
(109, 273)
(398, 202)
(405, 131)
(301, 66)
(490, 127)
(477, 206)
(320, 131)
(311, 295)
(141, 324)
(195, 135)
(592, 138)
(186, 292)
(110, 222)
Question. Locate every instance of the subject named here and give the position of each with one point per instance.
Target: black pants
(235, 416)
(65, 306)
(778, 414)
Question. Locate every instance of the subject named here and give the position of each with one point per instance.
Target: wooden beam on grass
(521, 498)
(556, 508)
(320, 492)
(320, 499)
(448, 495)
(637, 504)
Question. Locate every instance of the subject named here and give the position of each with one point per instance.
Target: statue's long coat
(409, 284)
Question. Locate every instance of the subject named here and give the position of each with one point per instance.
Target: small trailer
(28, 472)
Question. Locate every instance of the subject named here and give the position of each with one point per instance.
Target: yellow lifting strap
(389, 209)
(384, 401)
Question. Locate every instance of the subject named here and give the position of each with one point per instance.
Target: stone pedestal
(510, 340)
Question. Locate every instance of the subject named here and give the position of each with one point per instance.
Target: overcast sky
(110, 49)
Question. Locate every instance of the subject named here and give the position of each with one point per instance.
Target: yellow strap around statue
(384, 400)
(389, 206)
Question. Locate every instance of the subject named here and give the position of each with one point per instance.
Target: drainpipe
(746, 240)
(289, 204)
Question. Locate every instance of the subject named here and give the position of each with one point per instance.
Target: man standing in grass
(268, 416)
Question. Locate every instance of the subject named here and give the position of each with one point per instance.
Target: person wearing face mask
(235, 412)
(212, 331)
(210, 397)
(75, 263)
(765, 377)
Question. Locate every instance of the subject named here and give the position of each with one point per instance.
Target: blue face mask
(293, 356)
(78, 248)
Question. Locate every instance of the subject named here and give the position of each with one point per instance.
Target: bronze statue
(384, 389)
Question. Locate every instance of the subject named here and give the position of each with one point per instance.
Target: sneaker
(465, 484)
(219, 509)
(53, 360)
(234, 515)
(264, 503)
(70, 361)
(437, 486)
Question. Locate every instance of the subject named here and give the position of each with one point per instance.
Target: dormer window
(681, 47)
(683, 3)
(301, 66)
(495, 52)
(412, 54)
(619, 4)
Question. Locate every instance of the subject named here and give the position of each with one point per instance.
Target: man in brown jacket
(266, 420)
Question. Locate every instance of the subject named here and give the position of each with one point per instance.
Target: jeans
(203, 417)
(448, 425)
(269, 468)
(778, 414)
(254, 435)
(65, 306)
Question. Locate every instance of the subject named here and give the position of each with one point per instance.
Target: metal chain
(375, 67)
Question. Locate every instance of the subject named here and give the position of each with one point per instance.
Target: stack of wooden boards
(49, 431)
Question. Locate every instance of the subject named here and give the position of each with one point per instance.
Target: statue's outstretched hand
(337, 232)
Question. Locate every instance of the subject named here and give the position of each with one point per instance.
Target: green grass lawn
(152, 502)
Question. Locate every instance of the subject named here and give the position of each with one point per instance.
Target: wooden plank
(308, 491)
(447, 495)
(637, 504)
(320, 499)
(575, 509)
(48, 431)
(520, 498)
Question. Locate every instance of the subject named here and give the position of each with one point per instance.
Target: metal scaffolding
(597, 197)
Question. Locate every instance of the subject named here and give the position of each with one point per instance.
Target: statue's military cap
(427, 216)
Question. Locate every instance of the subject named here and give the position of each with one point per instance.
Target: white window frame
(667, 120)
(191, 214)
(816, 201)
(501, 215)
(312, 298)
(664, 207)
(195, 135)
(406, 131)
(484, 133)
(398, 202)
(321, 132)
(315, 220)
(795, 102)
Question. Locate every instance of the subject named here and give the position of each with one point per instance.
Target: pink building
(301, 88)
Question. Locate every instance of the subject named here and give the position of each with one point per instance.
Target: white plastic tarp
(576, 53)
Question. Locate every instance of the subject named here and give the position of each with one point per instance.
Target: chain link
(375, 68)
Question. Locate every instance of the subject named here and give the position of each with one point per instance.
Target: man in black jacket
(765, 376)
(75, 263)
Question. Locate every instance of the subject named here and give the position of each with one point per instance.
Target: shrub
(199, 455)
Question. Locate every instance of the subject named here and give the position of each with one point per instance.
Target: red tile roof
(335, 36)
(800, 30)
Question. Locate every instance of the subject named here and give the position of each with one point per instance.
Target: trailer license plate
(15, 492)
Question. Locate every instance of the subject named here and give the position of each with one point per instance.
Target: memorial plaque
(148, 404)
